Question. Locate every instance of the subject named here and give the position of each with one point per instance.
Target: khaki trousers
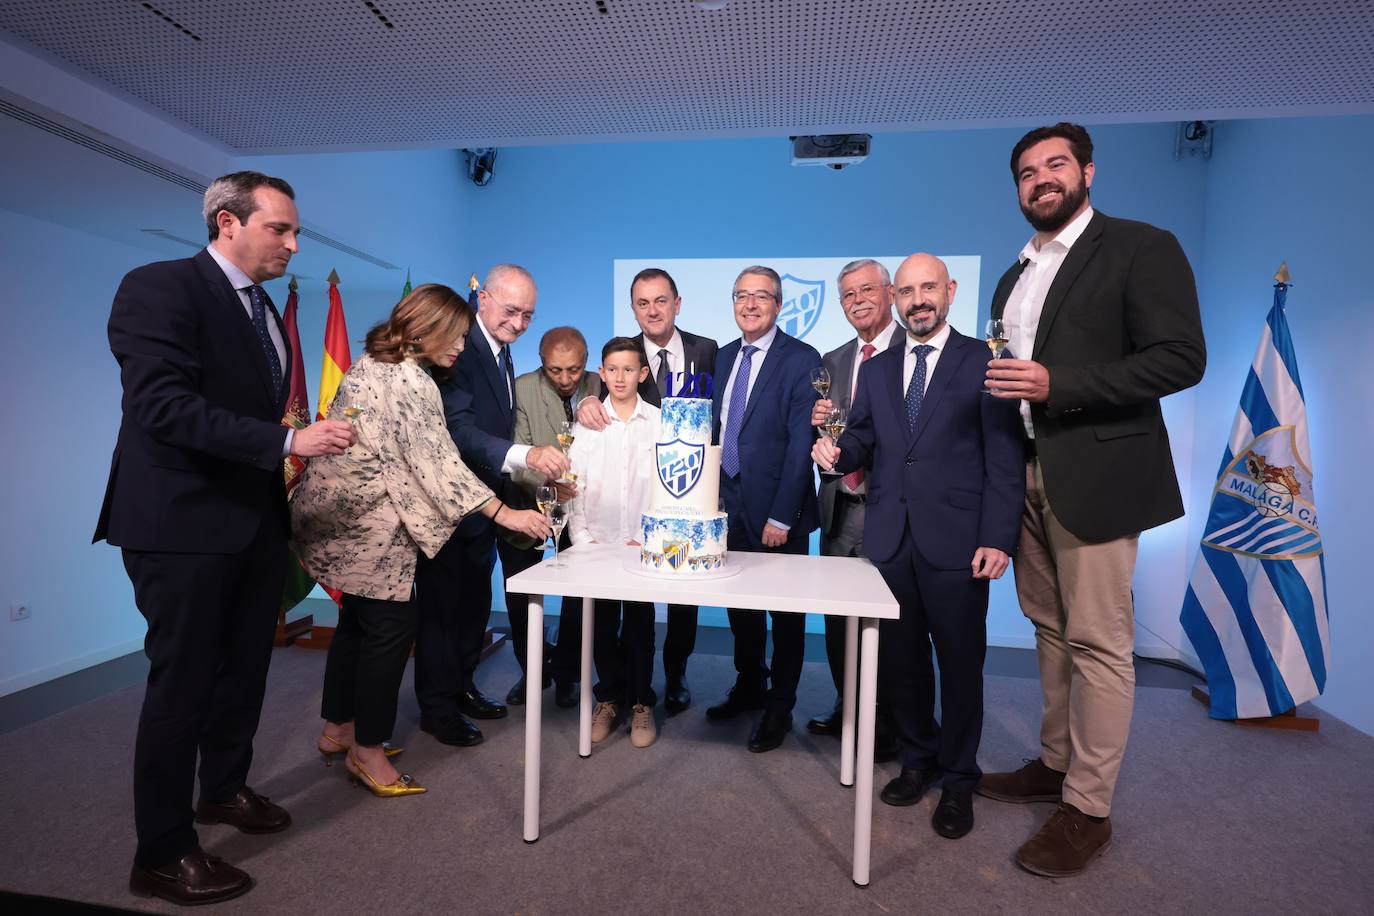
(1078, 595)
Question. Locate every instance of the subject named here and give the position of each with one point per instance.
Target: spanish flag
(336, 356)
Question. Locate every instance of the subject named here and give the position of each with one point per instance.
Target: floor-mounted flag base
(1289, 720)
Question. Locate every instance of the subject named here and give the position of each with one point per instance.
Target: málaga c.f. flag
(336, 363)
(1255, 610)
(297, 416)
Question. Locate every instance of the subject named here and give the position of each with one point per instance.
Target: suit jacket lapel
(841, 387)
(1074, 262)
(1004, 288)
(477, 340)
(725, 363)
(956, 350)
(228, 297)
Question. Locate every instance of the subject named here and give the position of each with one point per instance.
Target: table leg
(849, 701)
(584, 713)
(863, 792)
(534, 663)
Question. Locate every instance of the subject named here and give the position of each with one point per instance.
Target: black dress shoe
(476, 704)
(247, 810)
(192, 879)
(773, 727)
(829, 723)
(678, 696)
(516, 695)
(455, 731)
(565, 695)
(907, 787)
(735, 702)
(953, 817)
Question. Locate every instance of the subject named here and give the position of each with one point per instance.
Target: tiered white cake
(684, 531)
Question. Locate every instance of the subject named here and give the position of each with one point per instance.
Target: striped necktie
(739, 398)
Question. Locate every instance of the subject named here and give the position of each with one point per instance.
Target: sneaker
(1034, 782)
(642, 730)
(603, 722)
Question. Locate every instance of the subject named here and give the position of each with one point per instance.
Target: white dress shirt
(517, 454)
(1027, 299)
(241, 281)
(909, 361)
(616, 476)
(755, 364)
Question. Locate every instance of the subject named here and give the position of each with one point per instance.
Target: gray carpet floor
(1209, 817)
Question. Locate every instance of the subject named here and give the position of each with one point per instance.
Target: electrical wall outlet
(20, 611)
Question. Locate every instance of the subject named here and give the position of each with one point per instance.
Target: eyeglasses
(866, 291)
(743, 295)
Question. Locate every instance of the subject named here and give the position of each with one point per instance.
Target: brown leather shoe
(192, 879)
(1068, 842)
(247, 810)
(1034, 782)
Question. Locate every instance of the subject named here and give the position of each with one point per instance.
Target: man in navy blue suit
(762, 404)
(453, 590)
(946, 482)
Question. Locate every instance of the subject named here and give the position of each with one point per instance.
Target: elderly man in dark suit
(672, 355)
(866, 297)
(453, 590)
(197, 502)
(762, 405)
(945, 489)
(1103, 320)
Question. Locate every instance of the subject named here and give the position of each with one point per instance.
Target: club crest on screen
(801, 305)
(679, 465)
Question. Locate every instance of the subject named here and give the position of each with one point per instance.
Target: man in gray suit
(866, 296)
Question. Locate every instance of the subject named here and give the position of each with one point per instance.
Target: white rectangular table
(846, 586)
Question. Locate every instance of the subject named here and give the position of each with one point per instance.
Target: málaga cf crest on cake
(684, 532)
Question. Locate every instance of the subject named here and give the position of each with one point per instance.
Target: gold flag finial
(1282, 276)
(333, 276)
(292, 285)
(472, 282)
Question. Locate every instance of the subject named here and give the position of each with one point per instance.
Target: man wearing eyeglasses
(453, 590)
(866, 297)
(762, 404)
(672, 355)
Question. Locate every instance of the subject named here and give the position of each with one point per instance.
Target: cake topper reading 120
(694, 385)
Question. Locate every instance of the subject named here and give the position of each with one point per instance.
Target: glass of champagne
(835, 422)
(545, 498)
(352, 411)
(558, 519)
(565, 435)
(997, 338)
(820, 380)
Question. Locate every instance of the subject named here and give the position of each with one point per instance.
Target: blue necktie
(257, 298)
(509, 372)
(739, 397)
(916, 389)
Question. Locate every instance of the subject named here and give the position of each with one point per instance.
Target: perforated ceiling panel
(269, 75)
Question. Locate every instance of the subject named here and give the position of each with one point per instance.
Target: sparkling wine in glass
(835, 422)
(820, 380)
(997, 337)
(351, 412)
(558, 520)
(565, 436)
(544, 498)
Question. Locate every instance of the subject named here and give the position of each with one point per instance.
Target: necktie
(567, 408)
(855, 478)
(739, 397)
(509, 372)
(662, 378)
(916, 390)
(257, 298)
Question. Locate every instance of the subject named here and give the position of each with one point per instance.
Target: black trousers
(680, 639)
(453, 596)
(211, 619)
(751, 630)
(367, 658)
(566, 662)
(846, 542)
(949, 609)
(623, 649)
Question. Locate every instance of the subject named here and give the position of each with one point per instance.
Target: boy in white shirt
(615, 467)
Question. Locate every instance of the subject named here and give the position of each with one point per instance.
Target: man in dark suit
(945, 467)
(196, 500)
(454, 589)
(866, 297)
(762, 406)
(672, 355)
(1103, 318)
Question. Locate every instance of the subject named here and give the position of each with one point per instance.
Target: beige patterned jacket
(357, 518)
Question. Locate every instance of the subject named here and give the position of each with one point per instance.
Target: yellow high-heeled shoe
(340, 749)
(404, 785)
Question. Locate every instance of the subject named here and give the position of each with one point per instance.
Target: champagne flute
(352, 411)
(997, 338)
(545, 498)
(565, 436)
(820, 380)
(835, 422)
(558, 519)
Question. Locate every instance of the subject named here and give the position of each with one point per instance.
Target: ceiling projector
(834, 150)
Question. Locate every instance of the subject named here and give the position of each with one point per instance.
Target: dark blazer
(480, 417)
(698, 351)
(775, 440)
(1120, 329)
(198, 461)
(839, 362)
(958, 482)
